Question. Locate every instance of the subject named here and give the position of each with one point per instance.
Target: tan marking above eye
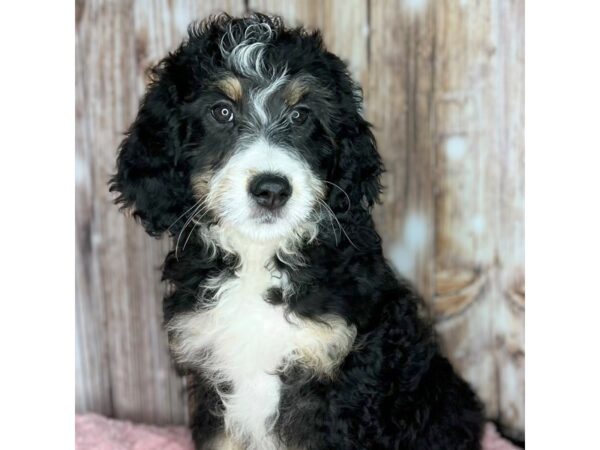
(295, 91)
(231, 87)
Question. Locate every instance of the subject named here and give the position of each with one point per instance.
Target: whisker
(196, 223)
(339, 224)
(187, 222)
(343, 191)
(331, 223)
(185, 213)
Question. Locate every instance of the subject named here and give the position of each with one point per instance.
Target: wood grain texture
(398, 102)
(466, 146)
(441, 94)
(443, 86)
(510, 329)
(122, 364)
(478, 201)
(343, 23)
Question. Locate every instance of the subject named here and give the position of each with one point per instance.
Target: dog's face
(263, 161)
(249, 125)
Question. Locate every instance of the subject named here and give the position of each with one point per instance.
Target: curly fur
(351, 365)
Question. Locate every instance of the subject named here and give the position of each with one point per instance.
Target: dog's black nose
(270, 191)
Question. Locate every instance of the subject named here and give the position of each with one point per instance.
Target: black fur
(395, 391)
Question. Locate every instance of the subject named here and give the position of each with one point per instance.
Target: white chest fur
(250, 341)
(243, 340)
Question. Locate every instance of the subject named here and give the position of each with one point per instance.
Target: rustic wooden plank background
(443, 83)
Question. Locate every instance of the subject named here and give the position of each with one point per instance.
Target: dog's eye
(222, 113)
(298, 116)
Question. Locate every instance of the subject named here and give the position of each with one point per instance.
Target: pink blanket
(94, 432)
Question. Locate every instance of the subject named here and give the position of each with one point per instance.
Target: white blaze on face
(259, 98)
(228, 192)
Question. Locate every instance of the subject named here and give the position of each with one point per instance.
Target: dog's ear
(359, 166)
(152, 176)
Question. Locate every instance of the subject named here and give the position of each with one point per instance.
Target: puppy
(250, 151)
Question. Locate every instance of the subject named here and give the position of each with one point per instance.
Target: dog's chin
(264, 226)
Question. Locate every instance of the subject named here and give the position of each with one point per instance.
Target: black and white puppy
(250, 151)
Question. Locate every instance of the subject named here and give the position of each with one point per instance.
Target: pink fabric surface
(94, 432)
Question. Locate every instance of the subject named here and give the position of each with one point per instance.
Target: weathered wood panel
(344, 24)
(452, 218)
(466, 146)
(398, 103)
(122, 367)
(510, 314)
(443, 85)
